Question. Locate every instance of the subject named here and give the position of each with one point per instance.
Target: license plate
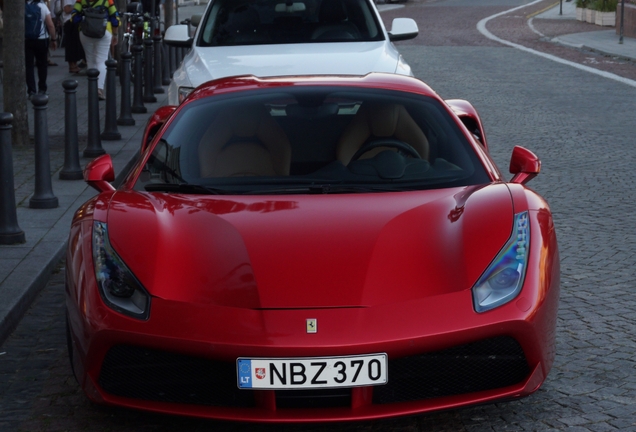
(318, 372)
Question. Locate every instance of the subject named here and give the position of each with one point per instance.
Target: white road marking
(531, 25)
(481, 26)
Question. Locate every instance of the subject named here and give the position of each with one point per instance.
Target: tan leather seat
(376, 121)
(244, 141)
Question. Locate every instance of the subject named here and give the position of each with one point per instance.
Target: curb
(558, 41)
(20, 302)
(10, 320)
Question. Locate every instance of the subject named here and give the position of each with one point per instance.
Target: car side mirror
(403, 29)
(524, 164)
(195, 20)
(178, 36)
(99, 173)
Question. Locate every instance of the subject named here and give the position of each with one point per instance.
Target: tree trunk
(14, 81)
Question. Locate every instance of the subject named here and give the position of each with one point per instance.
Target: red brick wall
(629, 29)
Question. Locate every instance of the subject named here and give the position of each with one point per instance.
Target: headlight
(503, 279)
(184, 92)
(118, 287)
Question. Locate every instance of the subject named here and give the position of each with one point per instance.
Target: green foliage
(603, 5)
(582, 3)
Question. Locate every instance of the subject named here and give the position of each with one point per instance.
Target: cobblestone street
(581, 126)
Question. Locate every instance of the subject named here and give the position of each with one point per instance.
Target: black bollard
(125, 116)
(173, 60)
(158, 68)
(93, 142)
(165, 71)
(10, 232)
(149, 95)
(43, 197)
(72, 169)
(138, 95)
(111, 133)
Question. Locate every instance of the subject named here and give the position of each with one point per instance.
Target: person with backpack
(98, 21)
(39, 35)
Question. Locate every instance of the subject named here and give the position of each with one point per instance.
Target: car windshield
(311, 139)
(256, 22)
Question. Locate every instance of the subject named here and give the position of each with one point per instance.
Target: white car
(283, 38)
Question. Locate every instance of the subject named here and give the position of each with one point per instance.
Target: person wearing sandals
(98, 48)
(73, 47)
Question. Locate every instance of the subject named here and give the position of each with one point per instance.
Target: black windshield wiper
(186, 188)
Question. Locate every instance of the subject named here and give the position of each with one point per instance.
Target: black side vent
(153, 375)
(485, 365)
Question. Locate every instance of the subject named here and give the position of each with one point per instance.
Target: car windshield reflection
(311, 140)
(254, 22)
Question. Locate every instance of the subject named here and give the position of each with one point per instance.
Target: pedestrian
(74, 52)
(54, 18)
(97, 45)
(39, 34)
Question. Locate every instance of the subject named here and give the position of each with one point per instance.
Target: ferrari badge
(312, 325)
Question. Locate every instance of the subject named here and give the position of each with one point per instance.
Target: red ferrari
(311, 249)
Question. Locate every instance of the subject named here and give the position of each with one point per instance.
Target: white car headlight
(503, 279)
(118, 287)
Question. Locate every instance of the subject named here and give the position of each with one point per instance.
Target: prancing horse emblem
(312, 325)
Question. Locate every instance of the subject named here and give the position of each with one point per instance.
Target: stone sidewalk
(25, 268)
(605, 41)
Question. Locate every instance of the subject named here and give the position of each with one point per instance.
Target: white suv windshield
(256, 22)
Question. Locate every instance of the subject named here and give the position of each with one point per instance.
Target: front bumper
(187, 354)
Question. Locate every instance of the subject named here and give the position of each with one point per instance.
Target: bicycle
(137, 26)
(133, 32)
(132, 26)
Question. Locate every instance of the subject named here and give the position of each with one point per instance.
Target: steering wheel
(402, 148)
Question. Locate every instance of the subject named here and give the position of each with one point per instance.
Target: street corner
(546, 28)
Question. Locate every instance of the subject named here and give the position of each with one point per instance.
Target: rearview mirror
(178, 36)
(290, 7)
(99, 173)
(524, 164)
(403, 29)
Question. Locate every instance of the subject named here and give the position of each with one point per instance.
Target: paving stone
(580, 125)
(601, 427)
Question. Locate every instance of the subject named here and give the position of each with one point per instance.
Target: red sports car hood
(306, 251)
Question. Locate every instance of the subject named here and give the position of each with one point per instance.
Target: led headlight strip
(503, 279)
(118, 287)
